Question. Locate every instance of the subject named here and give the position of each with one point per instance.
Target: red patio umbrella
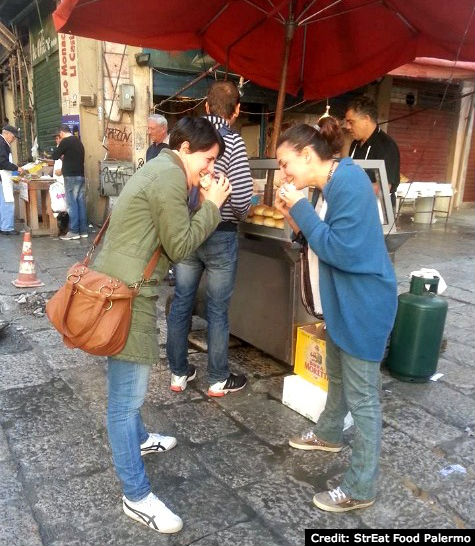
(337, 44)
(324, 47)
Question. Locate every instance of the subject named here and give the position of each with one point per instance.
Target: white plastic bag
(57, 195)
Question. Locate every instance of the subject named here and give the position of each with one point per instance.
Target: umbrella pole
(279, 109)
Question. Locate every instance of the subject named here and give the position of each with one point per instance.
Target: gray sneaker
(70, 236)
(308, 441)
(336, 501)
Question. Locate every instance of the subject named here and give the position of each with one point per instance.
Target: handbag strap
(149, 268)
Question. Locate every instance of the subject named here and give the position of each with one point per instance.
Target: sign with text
(68, 70)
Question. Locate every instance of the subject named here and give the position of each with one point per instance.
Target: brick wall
(424, 140)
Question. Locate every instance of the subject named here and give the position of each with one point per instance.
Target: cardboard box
(307, 399)
(310, 354)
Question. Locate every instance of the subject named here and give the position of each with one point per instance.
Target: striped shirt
(234, 164)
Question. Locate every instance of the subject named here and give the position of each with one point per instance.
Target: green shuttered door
(47, 101)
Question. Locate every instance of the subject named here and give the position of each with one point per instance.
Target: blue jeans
(218, 257)
(127, 384)
(7, 213)
(354, 386)
(76, 201)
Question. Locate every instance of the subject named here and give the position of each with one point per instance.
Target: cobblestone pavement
(232, 477)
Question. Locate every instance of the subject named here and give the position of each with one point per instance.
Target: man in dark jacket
(7, 204)
(71, 150)
(370, 141)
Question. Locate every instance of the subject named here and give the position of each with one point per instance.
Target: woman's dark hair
(326, 140)
(199, 132)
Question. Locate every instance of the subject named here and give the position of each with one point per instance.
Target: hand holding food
(290, 195)
(218, 190)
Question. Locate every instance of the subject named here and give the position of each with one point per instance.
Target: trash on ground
(436, 376)
(459, 469)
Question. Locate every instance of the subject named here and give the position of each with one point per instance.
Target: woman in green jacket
(152, 210)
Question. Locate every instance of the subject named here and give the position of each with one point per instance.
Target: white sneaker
(70, 236)
(152, 512)
(178, 382)
(155, 443)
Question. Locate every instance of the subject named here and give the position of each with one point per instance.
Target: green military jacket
(152, 210)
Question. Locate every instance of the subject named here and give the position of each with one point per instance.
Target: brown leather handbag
(93, 310)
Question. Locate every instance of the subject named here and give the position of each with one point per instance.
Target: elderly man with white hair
(157, 129)
(7, 204)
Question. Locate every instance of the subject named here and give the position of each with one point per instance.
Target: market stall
(266, 307)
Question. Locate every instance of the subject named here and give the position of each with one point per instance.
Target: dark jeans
(218, 257)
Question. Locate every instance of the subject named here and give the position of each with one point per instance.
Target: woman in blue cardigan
(358, 295)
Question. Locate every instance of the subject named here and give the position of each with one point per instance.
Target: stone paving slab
(398, 508)
(461, 451)
(237, 460)
(439, 400)
(412, 461)
(67, 453)
(11, 486)
(18, 527)
(457, 376)
(460, 498)
(41, 410)
(201, 421)
(251, 533)
(22, 370)
(459, 353)
(286, 506)
(416, 422)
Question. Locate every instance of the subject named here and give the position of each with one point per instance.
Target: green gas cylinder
(417, 334)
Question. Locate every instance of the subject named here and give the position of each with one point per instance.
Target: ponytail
(326, 138)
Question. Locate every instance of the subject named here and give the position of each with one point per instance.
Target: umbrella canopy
(335, 45)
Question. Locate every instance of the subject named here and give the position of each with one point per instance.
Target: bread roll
(259, 210)
(250, 212)
(277, 215)
(268, 211)
(257, 220)
(269, 222)
(205, 181)
(280, 224)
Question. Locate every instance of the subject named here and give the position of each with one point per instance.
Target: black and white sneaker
(152, 512)
(156, 443)
(178, 382)
(233, 383)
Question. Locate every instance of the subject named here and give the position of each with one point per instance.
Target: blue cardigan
(357, 282)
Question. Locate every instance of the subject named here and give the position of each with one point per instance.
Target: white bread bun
(259, 210)
(257, 220)
(205, 181)
(268, 211)
(269, 222)
(280, 224)
(277, 215)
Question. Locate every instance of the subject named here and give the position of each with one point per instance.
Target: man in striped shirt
(217, 256)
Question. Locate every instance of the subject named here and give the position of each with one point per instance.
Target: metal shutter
(47, 101)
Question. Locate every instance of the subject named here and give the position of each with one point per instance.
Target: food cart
(266, 306)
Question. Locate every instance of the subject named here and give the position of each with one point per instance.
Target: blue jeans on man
(354, 385)
(218, 257)
(7, 213)
(76, 202)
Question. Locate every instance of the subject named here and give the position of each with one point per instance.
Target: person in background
(7, 167)
(71, 150)
(152, 210)
(157, 129)
(58, 163)
(217, 256)
(359, 299)
(370, 142)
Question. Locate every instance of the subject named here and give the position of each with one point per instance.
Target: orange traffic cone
(27, 273)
